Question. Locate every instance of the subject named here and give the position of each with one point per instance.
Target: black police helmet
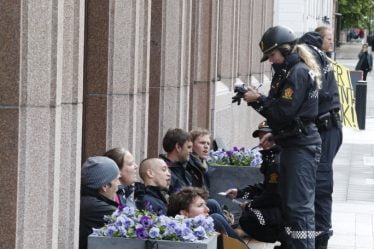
(274, 37)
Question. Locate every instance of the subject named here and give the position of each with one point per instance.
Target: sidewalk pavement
(353, 206)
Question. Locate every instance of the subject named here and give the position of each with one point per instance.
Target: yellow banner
(346, 95)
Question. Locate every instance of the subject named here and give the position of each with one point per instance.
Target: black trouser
(297, 187)
(365, 71)
(331, 141)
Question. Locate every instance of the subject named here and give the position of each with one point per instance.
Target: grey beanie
(98, 171)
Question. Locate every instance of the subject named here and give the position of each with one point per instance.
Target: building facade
(79, 77)
(306, 15)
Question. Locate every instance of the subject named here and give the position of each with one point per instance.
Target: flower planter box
(95, 242)
(224, 177)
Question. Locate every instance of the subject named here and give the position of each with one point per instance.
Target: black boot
(321, 242)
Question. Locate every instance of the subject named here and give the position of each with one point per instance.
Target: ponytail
(309, 60)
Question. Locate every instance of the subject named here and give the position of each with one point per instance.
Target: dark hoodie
(180, 177)
(328, 94)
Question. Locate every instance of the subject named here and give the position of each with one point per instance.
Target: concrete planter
(125, 243)
(225, 177)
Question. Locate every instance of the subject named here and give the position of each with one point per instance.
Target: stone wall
(80, 77)
(41, 75)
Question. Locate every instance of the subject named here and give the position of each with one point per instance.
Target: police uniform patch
(273, 178)
(287, 93)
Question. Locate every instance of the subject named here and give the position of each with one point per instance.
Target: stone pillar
(201, 68)
(170, 59)
(238, 27)
(40, 122)
(116, 77)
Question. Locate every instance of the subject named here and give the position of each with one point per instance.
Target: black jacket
(263, 220)
(153, 200)
(365, 61)
(293, 97)
(92, 211)
(265, 194)
(328, 94)
(180, 177)
(198, 173)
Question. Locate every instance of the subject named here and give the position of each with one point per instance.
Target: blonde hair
(322, 30)
(308, 58)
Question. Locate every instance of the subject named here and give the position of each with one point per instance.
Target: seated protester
(197, 165)
(178, 146)
(128, 175)
(99, 179)
(191, 202)
(261, 217)
(156, 177)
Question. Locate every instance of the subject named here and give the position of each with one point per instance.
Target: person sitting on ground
(197, 165)
(128, 176)
(156, 177)
(99, 184)
(261, 217)
(178, 146)
(191, 202)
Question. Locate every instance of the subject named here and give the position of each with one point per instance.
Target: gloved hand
(240, 90)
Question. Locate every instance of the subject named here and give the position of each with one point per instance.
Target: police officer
(290, 109)
(330, 129)
(261, 217)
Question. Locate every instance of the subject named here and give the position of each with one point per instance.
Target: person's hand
(267, 141)
(244, 205)
(231, 193)
(251, 95)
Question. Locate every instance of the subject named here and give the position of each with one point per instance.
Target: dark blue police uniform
(330, 129)
(290, 109)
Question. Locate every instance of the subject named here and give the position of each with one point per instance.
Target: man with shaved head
(156, 176)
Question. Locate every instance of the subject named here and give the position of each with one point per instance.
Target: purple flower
(209, 225)
(122, 231)
(186, 231)
(229, 153)
(200, 233)
(154, 232)
(129, 211)
(121, 220)
(163, 220)
(199, 220)
(110, 231)
(171, 225)
(188, 222)
(235, 148)
(189, 237)
(128, 223)
(141, 233)
(145, 221)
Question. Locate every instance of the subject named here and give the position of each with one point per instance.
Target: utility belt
(295, 129)
(328, 120)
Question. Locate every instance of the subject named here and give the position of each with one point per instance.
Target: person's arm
(282, 110)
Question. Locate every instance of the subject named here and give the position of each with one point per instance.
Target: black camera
(240, 90)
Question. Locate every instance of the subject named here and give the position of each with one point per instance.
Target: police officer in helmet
(290, 109)
(330, 129)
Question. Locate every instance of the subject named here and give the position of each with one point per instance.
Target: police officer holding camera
(330, 129)
(290, 109)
